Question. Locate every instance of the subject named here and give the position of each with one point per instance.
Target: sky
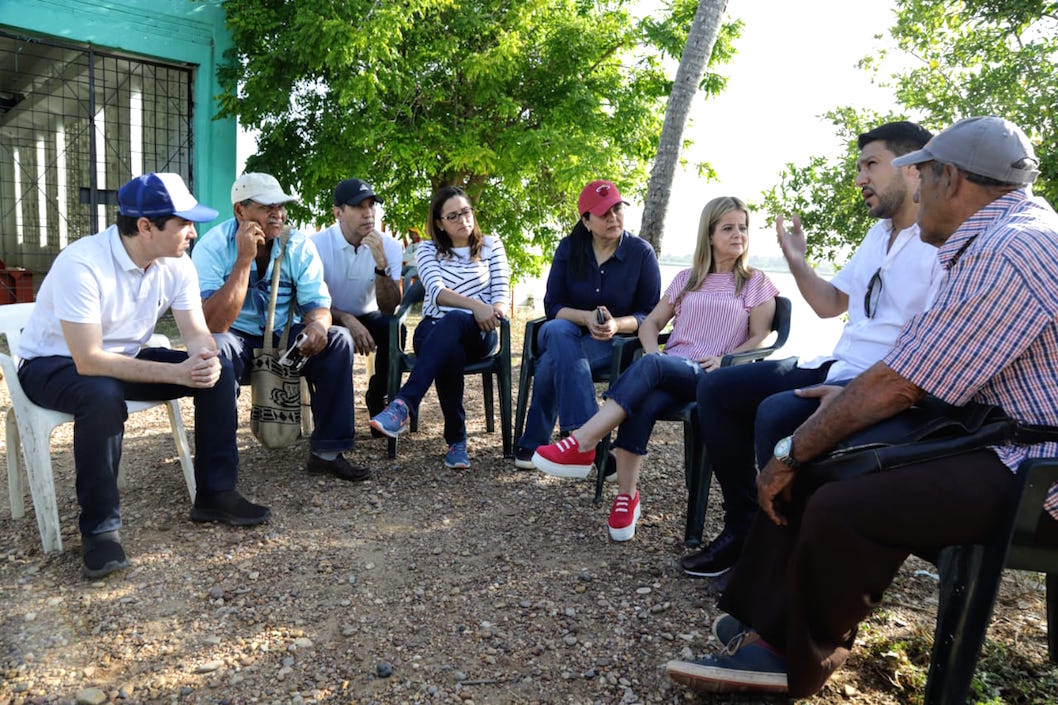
(796, 60)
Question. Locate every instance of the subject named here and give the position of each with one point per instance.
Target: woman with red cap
(603, 281)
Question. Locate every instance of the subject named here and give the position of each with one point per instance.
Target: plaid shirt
(991, 335)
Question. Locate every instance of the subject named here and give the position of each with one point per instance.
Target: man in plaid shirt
(805, 582)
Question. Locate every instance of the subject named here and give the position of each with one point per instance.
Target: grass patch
(1002, 675)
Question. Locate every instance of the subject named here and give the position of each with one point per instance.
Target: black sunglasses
(871, 298)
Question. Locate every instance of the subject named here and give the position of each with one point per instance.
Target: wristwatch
(784, 453)
(382, 272)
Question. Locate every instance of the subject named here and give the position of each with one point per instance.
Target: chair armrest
(532, 329)
(505, 336)
(747, 356)
(626, 348)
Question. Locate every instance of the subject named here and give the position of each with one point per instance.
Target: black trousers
(807, 585)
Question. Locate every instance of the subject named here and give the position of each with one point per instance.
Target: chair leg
(16, 488)
(1052, 616)
(183, 449)
(525, 377)
(699, 478)
(490, 413)
(602, 456)
(36, 446)
(505, 413)
(969, 578)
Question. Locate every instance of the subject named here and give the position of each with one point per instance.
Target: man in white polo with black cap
(362, 268)
(234, 262)
(808, 576)
(82, 353)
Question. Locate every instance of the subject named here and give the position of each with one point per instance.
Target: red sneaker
(623, 517)
(564, 459)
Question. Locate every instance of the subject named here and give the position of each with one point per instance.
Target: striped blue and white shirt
(991, 335)
(486, 279)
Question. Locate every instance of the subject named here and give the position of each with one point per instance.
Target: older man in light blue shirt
(235, 261)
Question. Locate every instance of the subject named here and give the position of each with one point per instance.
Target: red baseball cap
(598, 197)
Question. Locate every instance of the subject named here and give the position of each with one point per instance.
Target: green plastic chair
(497, 365)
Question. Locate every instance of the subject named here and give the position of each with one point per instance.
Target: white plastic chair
(29, 427)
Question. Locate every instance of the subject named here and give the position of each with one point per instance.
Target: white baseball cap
(262, 188)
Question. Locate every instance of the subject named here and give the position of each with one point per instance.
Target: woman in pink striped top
(718, 306)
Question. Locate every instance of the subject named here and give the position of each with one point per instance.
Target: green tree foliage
(520, 103)
(970, 57)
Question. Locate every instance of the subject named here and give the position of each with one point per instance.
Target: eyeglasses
(460, 215)
(874, 293)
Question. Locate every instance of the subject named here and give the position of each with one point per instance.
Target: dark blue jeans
(329, 374)
(443, 347)
(98, 407)
(563, 390)
(740, 421)
(652, 385)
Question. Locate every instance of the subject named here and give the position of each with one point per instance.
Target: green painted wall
(184, 31)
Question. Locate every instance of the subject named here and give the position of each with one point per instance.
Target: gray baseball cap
(989, 146)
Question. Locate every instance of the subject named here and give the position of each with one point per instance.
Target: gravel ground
(423, 585)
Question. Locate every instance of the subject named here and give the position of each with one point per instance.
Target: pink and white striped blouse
(713, 320)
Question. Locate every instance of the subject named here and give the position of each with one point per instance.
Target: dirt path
(424, 585)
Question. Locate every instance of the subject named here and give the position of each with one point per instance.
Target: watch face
(782, 448)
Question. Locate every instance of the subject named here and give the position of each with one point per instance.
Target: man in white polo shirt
(744, 410)
(82, 353)
(362, 268)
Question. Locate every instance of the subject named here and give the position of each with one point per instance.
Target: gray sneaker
(727, 629)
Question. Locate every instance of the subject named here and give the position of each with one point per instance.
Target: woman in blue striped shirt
(466, 278)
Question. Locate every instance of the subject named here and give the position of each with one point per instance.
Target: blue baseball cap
(157, 194)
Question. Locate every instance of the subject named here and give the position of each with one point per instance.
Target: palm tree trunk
(696, 53)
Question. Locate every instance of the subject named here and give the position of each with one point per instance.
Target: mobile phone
(600, 317)
(293, 357)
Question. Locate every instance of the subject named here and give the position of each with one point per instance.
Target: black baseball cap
(352, 192)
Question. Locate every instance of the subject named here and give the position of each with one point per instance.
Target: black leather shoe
(716, 558)
(102, 555)
(228, 507)
(339, 467)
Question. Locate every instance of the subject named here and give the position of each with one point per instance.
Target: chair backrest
(13, 318)
(409, 273)
(780, 323)
(414, 293)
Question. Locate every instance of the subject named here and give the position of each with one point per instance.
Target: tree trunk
(696, 53)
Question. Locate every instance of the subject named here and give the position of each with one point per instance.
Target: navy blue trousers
(98, 407)
(743, 411)
(443, 347)
(329, 374)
